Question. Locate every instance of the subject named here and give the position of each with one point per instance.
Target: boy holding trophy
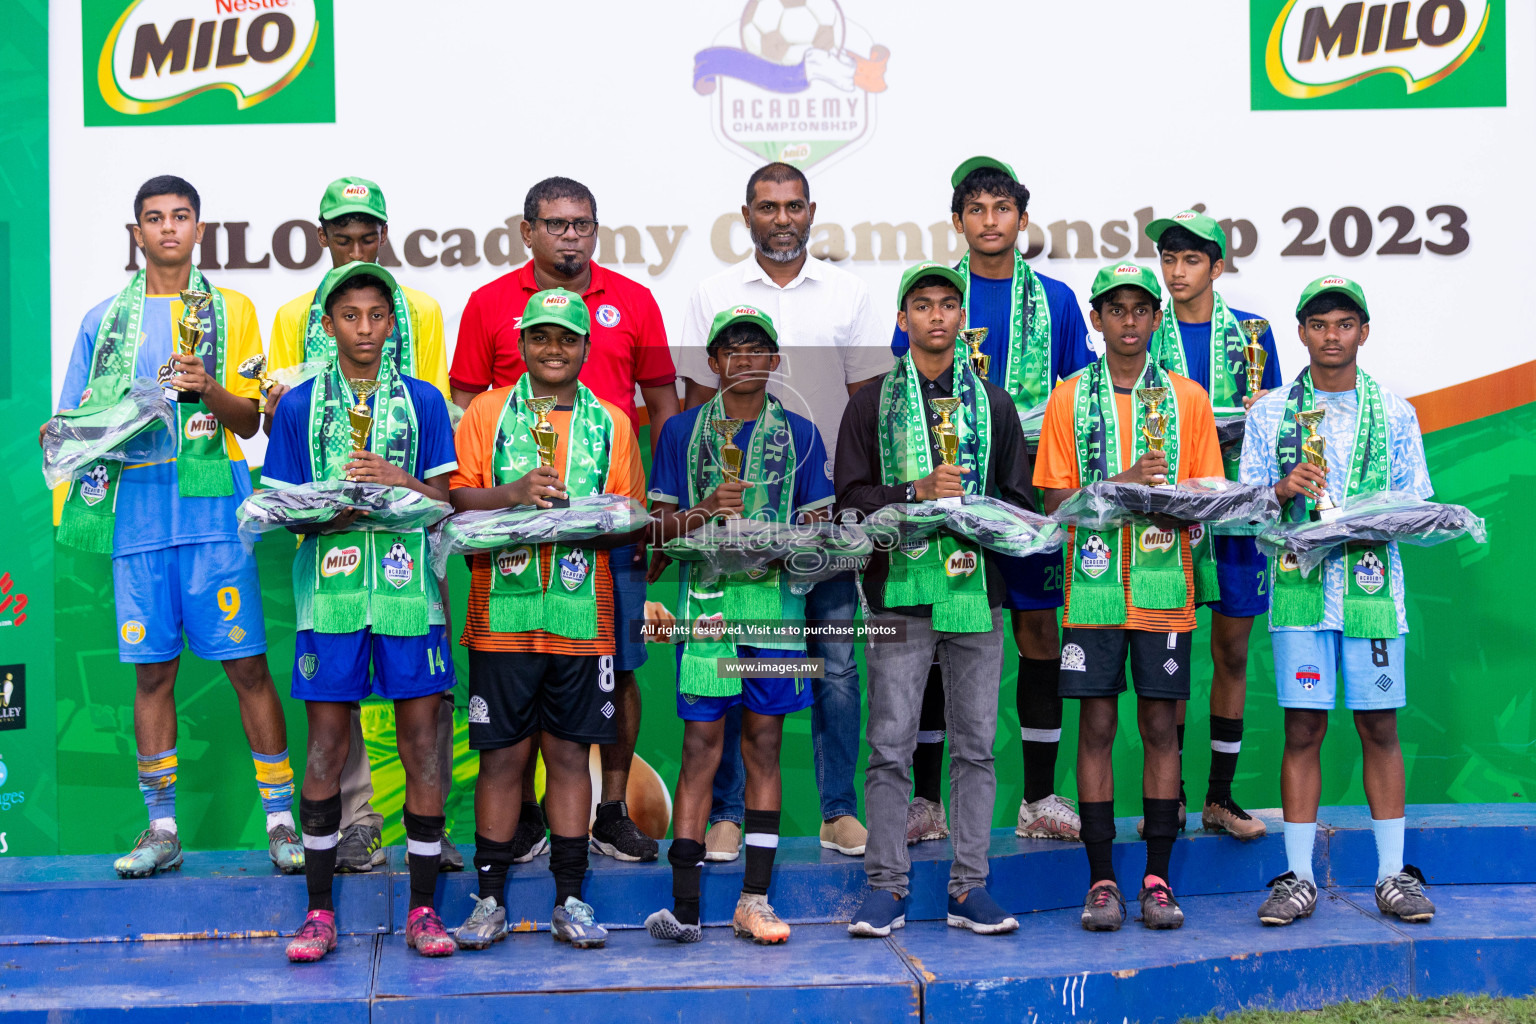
(1333, 435)
(1130, 590)
(540, 624)
(739, 455)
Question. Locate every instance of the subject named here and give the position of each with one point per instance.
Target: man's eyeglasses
(557, 226)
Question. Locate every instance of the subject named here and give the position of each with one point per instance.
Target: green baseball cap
(1196, 223)
(976, 163)
(1334, 283)
(912, 275)
(1122, 275)
(556, 306)
(352, 195)
(337, 275)
(742, 315)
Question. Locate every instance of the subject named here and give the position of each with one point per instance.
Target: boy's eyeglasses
(557, 226)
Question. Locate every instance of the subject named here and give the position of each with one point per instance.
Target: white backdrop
(1105, 107)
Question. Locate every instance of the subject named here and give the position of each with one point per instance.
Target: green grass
(1454, 1009)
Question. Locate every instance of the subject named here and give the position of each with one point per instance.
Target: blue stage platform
(76, 944)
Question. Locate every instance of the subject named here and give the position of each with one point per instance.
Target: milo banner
(1385, 141)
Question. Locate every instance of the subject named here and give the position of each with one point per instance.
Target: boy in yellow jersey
(353, 228)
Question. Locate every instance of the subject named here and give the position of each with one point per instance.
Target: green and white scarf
(769, 464)
(949, 575)
(1229, 366)
(1098, 597)
(399, 347)
(1029, 374)
(521, 601)
(203, 468)
(364, 577)
(1369, 609)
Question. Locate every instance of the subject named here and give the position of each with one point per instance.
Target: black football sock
(1180, 730)
(1162, 825)
(424, 845)
(1226, 741)
(492, 859)
(687, 859)
(928, 756)
(568, 863)
(1098, 834)
(320, 821)
(1039, 724)
(761, 829)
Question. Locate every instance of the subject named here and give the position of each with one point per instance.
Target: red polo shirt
(629, 341)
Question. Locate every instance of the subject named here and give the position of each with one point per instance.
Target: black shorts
(514, 695)
(1093, 663)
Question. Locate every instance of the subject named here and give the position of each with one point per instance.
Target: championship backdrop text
(1386, 140)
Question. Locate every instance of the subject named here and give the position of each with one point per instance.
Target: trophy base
(178, 396)
(1326, 515)
(559, 502)
(951, 502)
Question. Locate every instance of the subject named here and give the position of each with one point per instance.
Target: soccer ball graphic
(784, 30)
(98, 475)
(1095, 546)
(1370, 564)
(398, 554)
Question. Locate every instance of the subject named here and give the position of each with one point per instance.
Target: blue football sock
(1299, 839)
(1389, 846)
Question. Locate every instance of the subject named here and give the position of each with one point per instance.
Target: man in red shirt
(628, 348)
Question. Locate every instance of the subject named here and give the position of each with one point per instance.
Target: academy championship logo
(1348, 54)
(1370, 573)
(93, 486)
(573, 569)
(398, 565)
(1093, 557)
(341, 561)
(208, 61)
(791, 80)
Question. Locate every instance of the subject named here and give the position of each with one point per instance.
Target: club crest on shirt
(200, 425)
(93, 486)
(1094, 556)
(574, 568)
(1073, 659)
(1155, 538)
(1370, 573)
(608, 315)
(1308, 676)
(513, 561)
(960, 563)
(309, 664)
(341, 561)
(399, 566)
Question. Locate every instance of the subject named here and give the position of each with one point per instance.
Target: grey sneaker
(1159, 910)
(452, 859)
(1104, 909)
(662, 925)
(1290, 899)
(1403, 894)
(575, 923)
(359, 850)
(529, 838)
(487, 924)
(286, 850)
(925, 821)
(155, 850)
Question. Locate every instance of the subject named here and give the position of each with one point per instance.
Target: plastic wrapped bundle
(1227, 505)
(1230, 430)
(993, 524)
(139, 426)
(1383, 516)
(390, 509)
(1030, 420)
(807, 552)
(597, 515)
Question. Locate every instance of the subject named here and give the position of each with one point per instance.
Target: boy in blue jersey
(782, 479)
(1035, 337)
(1342, 625)
(365, 595)
(177, 561)
(1200, 338)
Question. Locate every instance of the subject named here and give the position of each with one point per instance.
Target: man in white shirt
(831, 344)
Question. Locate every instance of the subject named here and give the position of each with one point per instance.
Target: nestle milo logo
(355, 192)
(207, 61)
(1392, 53)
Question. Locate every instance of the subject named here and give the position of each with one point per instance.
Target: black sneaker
(1159, 910)
(1290, 899)
(615, 835)
(529, 839)
(1403, 894)
(1104, 909)
(359, 850)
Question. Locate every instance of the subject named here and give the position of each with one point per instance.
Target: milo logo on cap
(355, 192)
(556, 300)
(1186, 215)
(745, 311)
(1334, 282)
(1127, 270)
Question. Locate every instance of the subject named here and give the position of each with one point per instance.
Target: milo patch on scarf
(341, 561)
(514, 561)
(1155, 538)
(961, 563)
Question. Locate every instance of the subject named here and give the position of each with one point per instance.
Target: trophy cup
(1312, 449)
(730, 454)
(189, 334)
(1253, 352)
(946, 435)
(255, 368)
(359, 413)
(544, 437)
(1154, 425)
(973, 338)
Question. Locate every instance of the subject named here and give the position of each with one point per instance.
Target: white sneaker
(1050, 817)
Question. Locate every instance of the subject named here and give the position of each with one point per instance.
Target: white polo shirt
(829, 336)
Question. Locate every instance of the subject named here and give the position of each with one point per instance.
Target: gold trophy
(189, 334)
(1312, 449)
(973, 338)
(947, 436)
(1253, 352)
(1154, 424)
(255, 368)
(545, 438)
(730, 455)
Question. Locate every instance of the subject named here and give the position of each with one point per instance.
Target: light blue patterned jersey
(1407, 470)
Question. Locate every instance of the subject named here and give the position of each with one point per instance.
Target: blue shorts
(1243, 572)
(334, 666)
(628, 606)
(760, 696)
(210, 591)
(1308, 664)
(1032, 583)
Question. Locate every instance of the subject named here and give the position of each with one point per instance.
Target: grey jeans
(972, 665)
(357, 776)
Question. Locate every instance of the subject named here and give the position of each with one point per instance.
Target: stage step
(225, 894)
